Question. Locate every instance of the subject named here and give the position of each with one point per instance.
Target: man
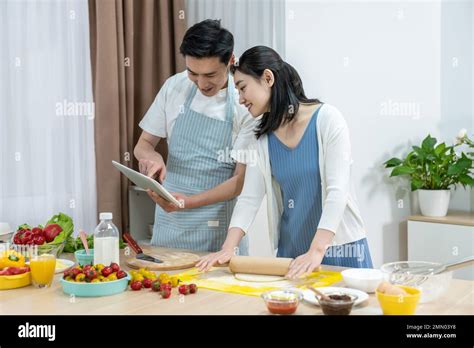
(198, 112)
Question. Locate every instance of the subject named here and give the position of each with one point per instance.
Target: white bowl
(365, 279)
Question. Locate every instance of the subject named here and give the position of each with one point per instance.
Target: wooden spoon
(83, 236)
(324, 297)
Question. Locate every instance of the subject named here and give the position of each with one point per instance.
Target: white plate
(67, 264)
(310, 296)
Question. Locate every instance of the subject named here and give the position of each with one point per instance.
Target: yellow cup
(42, 270)
(399, 304)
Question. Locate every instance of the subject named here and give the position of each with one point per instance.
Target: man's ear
(268, 77)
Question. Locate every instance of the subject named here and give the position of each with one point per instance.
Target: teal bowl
(95, 289)
(83, 259)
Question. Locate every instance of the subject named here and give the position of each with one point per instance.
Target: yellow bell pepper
(11, 258)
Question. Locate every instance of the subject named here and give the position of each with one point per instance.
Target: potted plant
(433, 169)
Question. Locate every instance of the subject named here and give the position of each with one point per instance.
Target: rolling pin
(260, 265)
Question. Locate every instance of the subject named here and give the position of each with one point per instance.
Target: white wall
(368, 59)
(472, 91)
(457, 64)
(363, 57)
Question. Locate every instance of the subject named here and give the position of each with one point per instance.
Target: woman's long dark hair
(287, 90)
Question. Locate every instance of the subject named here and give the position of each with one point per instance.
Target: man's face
(209, 74)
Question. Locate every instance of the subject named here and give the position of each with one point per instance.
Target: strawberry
(121, 274)
(136, 285)
(147, 283)
(37, 231)
(106, 271)
(27, 237)
(156, 286)
(91, 273)
(15, 270)
(183, 289)
(165, 286)
(166, 293)
(25, 269)
(17, 238)
(74, 272)
(193, 288)
(38, 239)
(51, 231)
(115, 267)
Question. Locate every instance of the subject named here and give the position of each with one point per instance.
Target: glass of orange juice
(42, 269)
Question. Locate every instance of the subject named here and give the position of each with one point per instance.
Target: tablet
(146, 183)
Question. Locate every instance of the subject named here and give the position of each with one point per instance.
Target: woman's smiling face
(254, 93)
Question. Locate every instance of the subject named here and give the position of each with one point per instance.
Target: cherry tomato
(136, 285)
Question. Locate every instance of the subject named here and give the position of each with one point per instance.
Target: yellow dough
(259, 278)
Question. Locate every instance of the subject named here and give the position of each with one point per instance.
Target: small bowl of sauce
(337, 304)
(282, 301)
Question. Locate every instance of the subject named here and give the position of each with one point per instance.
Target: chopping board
(172, 259)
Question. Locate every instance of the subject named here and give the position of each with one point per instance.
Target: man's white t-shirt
(160, 118)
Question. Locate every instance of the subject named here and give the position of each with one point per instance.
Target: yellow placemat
(221, 279)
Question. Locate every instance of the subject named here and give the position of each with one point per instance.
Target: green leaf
(440, 149)
(393, 162)
(428, 143)
(460, 166)
(466, 180)
(418, 150)
(454, 169)
(24, 227)
(464, 162)
(402, 170)
(416, 184)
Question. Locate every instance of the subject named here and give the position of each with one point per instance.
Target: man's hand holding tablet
(153, 168)
(169, 202)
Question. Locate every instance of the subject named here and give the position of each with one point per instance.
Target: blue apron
(197, 163)
(298, 174)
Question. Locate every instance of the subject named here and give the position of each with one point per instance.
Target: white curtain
(47, 160)
(253, 22)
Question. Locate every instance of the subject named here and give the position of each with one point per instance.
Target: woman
(303, 168)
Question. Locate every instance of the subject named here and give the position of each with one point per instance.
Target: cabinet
(446, 239)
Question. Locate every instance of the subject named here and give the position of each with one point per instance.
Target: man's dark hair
(208, 39)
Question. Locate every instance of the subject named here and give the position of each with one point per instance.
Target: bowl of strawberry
(14, 273)
(14, 277)
(49, 239)
(95, 280)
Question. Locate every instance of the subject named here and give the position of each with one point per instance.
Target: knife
(140, 255)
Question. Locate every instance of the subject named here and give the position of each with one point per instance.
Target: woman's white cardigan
(340, 213)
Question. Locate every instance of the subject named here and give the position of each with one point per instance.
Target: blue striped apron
(297, 172)
(197, 162)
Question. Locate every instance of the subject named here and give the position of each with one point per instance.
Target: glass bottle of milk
(106, 241)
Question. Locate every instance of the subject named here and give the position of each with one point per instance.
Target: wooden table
(28, 300)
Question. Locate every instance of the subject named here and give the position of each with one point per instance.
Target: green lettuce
(66, 224)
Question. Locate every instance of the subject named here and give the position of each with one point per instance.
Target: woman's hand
(205, 263)
(305, 264)
(186, 201)
(229, 249)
